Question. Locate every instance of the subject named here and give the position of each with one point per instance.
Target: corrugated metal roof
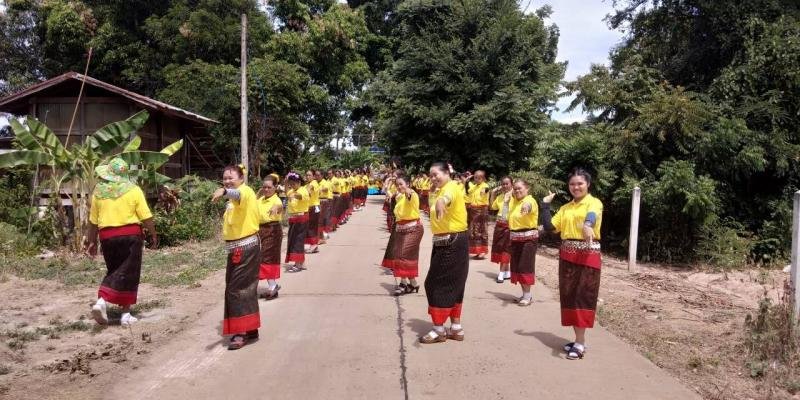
(135, 97)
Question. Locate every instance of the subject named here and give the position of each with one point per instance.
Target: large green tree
(471, 83)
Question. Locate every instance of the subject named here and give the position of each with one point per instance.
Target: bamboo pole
(244, 147)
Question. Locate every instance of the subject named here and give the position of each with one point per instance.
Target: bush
(773, 344)
(15, 197)
(14, 243)
(195, 219)
(725, 245)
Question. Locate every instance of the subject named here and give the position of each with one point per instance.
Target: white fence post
(634, 236)
(794, 275)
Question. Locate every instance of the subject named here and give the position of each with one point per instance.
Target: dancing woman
(298, 199)
(579, 259)
(501, 238)
(270, 212)
(312, 233)
(477, 214)
(407, 233)
(447, 276)
(239, 229)
(119, 210)
(523, 221)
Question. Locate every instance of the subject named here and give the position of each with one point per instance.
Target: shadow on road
(554, 342)
(508, 299)
(222, 339)
(419, 326)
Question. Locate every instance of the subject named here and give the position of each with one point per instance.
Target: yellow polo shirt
(265, 205)
(313, 193)
(407, 209)
(478, 194)
(241, 216)
(298, 206)
(455, 215)
(130, 208)
(326, 184)
(570, 218)
(517, 220)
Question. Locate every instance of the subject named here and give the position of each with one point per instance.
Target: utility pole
(245, 158)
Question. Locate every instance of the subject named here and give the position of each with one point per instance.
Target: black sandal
(237, 342)
(575, 353)
(412, 289)
(400, 289)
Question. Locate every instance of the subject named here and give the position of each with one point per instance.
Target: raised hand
(549, 197)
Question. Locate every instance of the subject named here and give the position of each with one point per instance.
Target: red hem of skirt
(311, 241)
(295, 257)
(589, 259)
(528, 279)
(387, 263)
(269, 271)
(243, 324)
(117, 297)
(475, 250)
(577, 318)
(501, 258)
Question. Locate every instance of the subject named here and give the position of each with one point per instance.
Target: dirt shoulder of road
(50, 348)
(689, 322)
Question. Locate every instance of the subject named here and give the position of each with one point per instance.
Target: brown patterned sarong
(324, 216)
(523, 261)
(312, 234)
(123, 257)
(270, 235)
(447, 277)
(578, 283)
(295, 239)
(405, 249)
(501, 243)
(478, 236)
(241, 290)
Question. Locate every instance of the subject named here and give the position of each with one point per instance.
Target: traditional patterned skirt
(271, 235)
(122, 252)
(423, 200)
(523, 256)
(578, 282)
(295, 238)
(405, 249)
(388, 206)
(501, 243)
(241, 286)
(349, 204)
(324, 216)
(312, 233)
(478, 236)
(388, 254)
(336, 207)
(447, 276)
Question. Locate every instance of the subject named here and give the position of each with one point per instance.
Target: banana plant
(74, 167)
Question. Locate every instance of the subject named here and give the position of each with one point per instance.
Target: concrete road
(337, 333)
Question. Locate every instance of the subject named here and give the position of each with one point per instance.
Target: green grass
(177, 266)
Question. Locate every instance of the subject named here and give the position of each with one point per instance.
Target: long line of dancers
(317, 204)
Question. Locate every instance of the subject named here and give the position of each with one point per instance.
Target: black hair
(236, 169)
(443, 166)
(582, 173)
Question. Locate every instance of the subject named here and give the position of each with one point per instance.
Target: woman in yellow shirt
(408, 233)
(312, 233)
(501, 238)
(478, 213)
(390, 190)
(299, 199)
(523, 222)
(447, 276)
(579, 261)
(118, 211)
(240, 230)
(270, 212)
(325, 201)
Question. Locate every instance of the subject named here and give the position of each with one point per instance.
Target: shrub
(196, 218)
(15, 197)
(725, 245)
(772, 338)
(14, 243)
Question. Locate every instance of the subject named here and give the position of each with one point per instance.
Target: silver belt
(572, 246)
(247, 242)
(407, 227)
(443, 239)
(521, 236)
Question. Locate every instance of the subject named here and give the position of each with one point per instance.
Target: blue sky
(585, 40)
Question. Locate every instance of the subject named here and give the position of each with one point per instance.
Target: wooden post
(794, 275)
(244, 147)
(634, 235)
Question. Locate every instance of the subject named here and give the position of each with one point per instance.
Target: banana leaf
(115, 134)
(173, 148)
(144, 158)
(134, 144)
(37, 136)
(16, 158)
